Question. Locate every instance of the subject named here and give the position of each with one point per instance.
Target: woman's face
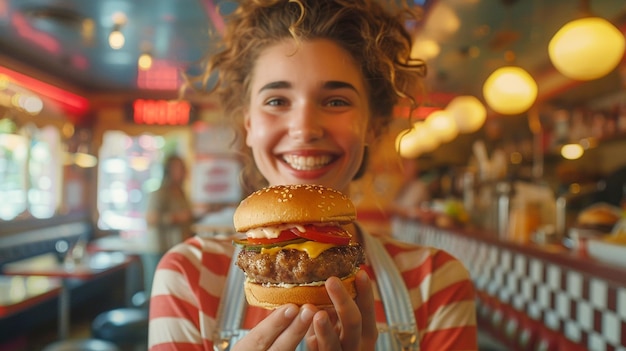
(308, 114)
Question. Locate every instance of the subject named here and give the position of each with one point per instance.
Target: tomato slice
(284, 236)
(328, 234)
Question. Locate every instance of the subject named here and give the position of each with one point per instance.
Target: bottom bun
(271, 297)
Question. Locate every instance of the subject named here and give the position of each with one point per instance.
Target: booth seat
(19, 320)
(19, 244)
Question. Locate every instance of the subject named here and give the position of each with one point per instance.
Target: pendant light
(442, 125)
(407, 144)
(587, 48)
(510, 90)
(468, 113)
(417, 140)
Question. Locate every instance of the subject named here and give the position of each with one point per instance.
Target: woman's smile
(306, 163)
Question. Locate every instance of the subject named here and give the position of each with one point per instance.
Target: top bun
(297, 204)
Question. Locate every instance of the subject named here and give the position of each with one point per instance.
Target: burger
(294, 241)
(599, 217)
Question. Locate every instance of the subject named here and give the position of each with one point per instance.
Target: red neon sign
(70, 102)
(161, 112)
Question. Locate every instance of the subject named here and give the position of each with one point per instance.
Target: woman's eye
(338, 103)
(275, 102)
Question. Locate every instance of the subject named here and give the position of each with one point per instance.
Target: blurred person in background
(168, 217)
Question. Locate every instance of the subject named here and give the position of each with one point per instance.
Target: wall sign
(161, 112)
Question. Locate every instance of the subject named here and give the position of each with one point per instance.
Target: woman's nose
(305, 124)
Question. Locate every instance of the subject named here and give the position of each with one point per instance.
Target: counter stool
(125, 327)
(81, 345)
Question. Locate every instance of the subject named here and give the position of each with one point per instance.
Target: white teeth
(305, 163)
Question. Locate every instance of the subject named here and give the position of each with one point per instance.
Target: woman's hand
(351, 325)
(283, 329)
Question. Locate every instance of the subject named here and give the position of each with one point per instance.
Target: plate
(607, 252)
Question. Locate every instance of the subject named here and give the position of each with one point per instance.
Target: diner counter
(529, 294)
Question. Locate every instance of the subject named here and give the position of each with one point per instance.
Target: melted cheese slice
(312, 248)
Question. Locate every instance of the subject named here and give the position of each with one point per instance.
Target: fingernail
(306, 314)
(333, 283)
(322, 320)
(291, 312)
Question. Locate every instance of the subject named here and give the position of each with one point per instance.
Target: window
(30, 170)
(130, 168)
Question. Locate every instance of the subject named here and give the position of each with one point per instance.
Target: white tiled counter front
(578, 297)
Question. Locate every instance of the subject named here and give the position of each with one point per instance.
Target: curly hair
(376, 39)
(369, 32)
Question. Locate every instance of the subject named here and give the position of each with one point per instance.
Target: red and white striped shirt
(190, 278)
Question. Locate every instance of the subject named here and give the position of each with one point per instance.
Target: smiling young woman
(312, 84)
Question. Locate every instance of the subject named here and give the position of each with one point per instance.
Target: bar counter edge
(530, 294)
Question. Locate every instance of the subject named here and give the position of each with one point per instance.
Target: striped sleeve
(442, 295)
(185, 297)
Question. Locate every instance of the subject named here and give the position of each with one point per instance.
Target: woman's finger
(268, 331)
(326, 337)
(296, 331)
(347, 312)
(365, 301)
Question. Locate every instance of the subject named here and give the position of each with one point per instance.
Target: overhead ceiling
(67, 40)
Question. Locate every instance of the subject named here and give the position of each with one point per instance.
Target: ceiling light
(442, 125)
(119, 18)
(427, 140)
(510, 90)
(145, 61)
(468, 113)
(407, 144)
(425, 49)
(587, 48)
(417, 140)
(572, 151)
(116, 38)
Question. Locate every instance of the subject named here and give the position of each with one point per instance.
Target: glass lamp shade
(572, 151)
(468, 113)
(116, 40)
(407, 144)
(510, 90)
(426, 139)
(587, 48)
(442, 125)
(415, 141)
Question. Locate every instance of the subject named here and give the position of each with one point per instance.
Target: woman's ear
(364, 163)
(247, 127)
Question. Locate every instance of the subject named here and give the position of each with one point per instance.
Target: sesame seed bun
(297, 204)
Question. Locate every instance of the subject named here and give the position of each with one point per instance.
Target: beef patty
(292, 266)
